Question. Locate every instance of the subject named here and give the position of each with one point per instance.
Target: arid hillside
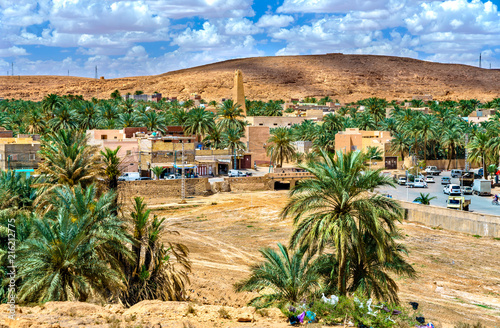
(343, 77)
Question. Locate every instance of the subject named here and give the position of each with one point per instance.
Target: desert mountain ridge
(343, 77)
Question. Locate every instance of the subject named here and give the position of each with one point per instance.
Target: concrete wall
(461, 221)
(249, 184)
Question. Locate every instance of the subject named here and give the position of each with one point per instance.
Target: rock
(245, 317)
(56, 325)
(156, 325)
(19, 323)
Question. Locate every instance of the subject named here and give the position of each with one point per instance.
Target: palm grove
(74, 241)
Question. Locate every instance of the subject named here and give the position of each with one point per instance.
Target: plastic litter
(396, 312)
(420, 320)
(292, 309)
(414, 305)
(333, 300)
(312, 316)
(293, 320)
(301, 317)
(430, 325)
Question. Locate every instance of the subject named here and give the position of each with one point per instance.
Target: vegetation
(425, 199)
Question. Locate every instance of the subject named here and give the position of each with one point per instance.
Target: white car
(452, 190)
(418, 183)
(429, 179)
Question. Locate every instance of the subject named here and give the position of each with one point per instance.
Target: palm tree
(273, 109)
(365, 121)
(376, 108)
(51, 102)
(199, 122)
(156, 272)
(64, 118)
(400, 144)
(88, 116)
(36, 122)
(67, 160)
(157, 170)
(230, 116)
(334, 209)
(231, 139)
(214, 138)
(450, 138)
(111, 166)
(152, 120)
(425, 199)
(479, 150)
(283, 276)
(71, 255)
(280, 146)
(126, 120)
(425, 128)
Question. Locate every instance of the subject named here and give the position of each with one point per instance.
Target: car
(145, 178)
(445, 180)
(174, 176)
(452, 190)
(402, 181)
(466, 190)
(456, 173)
(236, 173)
(418, 183)
(432, 170)
(429, 179)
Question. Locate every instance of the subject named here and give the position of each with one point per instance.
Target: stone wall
(163, 188)
(249, 184)
(461, 221)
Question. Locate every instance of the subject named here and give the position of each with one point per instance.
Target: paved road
(479, 204)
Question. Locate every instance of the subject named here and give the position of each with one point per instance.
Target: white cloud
(13, 52)
(275, 21)
(238, 26)
(329, 6)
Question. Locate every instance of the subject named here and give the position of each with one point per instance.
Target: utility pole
(183, 178)
(96, 71)
(479, 60)
(466, 153)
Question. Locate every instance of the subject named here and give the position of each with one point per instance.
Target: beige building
(354, 139)
(127, 140)
(480, 115)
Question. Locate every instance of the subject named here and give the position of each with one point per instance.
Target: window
(0, 157)
(32, 157)
(129, 152)
(275, 123)
(261, 124)
(104, 137)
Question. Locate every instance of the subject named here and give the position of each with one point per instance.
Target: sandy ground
(458, 274)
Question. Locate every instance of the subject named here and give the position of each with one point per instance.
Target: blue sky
(129, 38)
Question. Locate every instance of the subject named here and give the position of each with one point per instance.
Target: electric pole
(96, 71)
(183, 178)
(479, 60)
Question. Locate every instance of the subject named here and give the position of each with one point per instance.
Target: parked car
(145, 178)
(445, 180)
(418, 183)
(429, 179)
(466, 190)
(174, 176)
(452, 190)
(236, 173)
(129, 176)
(456, 173)
(402, 181)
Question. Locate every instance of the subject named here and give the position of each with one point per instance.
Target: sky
(148, 37)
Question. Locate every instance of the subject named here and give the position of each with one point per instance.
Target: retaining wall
(249, 184)
(461, 221)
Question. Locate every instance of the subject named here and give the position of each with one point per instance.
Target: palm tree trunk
(450, 156)
(341, 285)
(485, 172)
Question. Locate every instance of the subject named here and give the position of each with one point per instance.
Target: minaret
(239, 93)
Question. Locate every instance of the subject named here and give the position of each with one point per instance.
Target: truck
(432, 170)
(467, 179)
(129, 176)
(417, 183)
(458, 203)
(481, 187)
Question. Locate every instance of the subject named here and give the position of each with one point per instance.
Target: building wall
(21, 156)
(129, 148)
(274, 121)
(256, 138)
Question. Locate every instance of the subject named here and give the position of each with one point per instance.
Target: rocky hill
(344, 77)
